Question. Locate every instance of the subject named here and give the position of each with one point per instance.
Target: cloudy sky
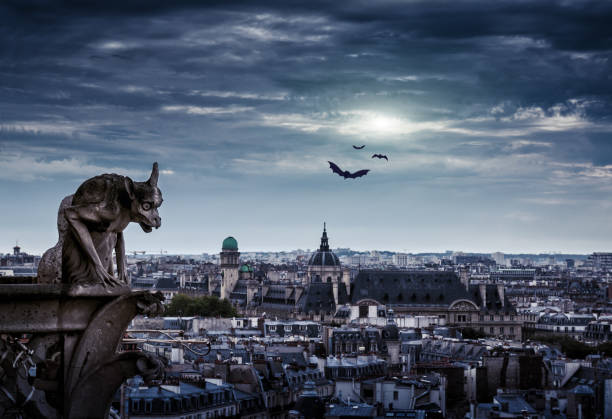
(495, 116)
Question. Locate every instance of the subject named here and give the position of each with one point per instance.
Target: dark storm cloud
(483, 97)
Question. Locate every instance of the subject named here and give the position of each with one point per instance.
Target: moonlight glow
(383, 124)
(375, 124)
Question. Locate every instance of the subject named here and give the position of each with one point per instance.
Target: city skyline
(494, 117)
(312, 249)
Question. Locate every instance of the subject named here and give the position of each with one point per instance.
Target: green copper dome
(246, 268)
(229, 243)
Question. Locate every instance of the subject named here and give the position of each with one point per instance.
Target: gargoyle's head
(145, 199)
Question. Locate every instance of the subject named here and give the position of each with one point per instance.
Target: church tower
(229, 263)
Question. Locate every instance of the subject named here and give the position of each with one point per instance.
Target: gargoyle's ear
(129, 187)
(154, 176)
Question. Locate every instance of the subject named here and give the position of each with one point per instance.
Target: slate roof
(159, 392)
(240, 291)
(319, 297)
(414, 288)
(225, 353)
(516, 404)
(275, 292)
(358, 410)
(243, 395)
(166, 284)
(296, 358)
(494, 302)
(459, 351)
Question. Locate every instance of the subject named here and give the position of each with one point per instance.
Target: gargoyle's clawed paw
(123, 279)
(107, 279)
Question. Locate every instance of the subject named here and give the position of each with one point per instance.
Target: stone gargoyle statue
(101, 208)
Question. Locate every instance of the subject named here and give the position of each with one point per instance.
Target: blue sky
(495, 117)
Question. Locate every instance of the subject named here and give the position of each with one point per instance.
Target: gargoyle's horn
(154, 175)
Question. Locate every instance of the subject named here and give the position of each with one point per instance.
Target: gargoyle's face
(144, 207)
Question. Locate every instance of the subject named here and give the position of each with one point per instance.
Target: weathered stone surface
(50, 266)
(83, 334)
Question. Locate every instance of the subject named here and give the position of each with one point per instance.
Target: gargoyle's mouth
(146, 228)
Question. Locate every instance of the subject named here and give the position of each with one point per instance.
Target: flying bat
(380, 156)
(345, 173)
(358, 148)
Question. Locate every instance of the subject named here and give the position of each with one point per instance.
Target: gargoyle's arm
(76, 216)
(120, 257)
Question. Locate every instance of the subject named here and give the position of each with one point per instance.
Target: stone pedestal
(59, 348)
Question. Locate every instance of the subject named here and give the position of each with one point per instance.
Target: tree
(605, 348)
(570, 347)
(471, 333)
(205, 306)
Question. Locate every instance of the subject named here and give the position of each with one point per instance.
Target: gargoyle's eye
(146, 206)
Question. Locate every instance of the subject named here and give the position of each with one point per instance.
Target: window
(492, 317)
(491, 330)
(395, 395)
(511, 329)
(461, 318)
(288, 328)
(501, 330)
(272, 328)
(363, 311)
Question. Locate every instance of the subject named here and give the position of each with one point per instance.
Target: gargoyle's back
(106, 187)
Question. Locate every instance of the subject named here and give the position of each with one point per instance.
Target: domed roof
(246, 268)
(229, 243)
(324, 256)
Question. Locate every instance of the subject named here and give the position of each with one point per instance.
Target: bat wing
(376, 155)
(385, 157)
(336, 169)
(359, 173)
(358, 148)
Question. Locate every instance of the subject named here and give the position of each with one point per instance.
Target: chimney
(251, 290)
(483, 294)
(222, 370)
(346, 278)
(335, 291)
(500, 292)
